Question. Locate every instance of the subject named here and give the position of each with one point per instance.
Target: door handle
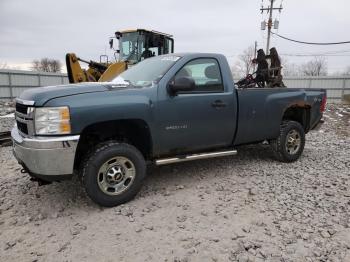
(218, 104)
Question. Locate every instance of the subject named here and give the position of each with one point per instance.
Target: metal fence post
(343, 91)
(39, 79)
(10, 85)
(310, 82)
(62, 80)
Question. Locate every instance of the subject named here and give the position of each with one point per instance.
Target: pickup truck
(166, 109)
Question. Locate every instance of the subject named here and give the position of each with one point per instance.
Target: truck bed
(260, 110)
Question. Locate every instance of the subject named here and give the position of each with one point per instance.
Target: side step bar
(185, 158)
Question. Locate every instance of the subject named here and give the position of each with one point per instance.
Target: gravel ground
(6, 115)
(242, 208)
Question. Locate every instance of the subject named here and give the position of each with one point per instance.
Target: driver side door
(199, 119)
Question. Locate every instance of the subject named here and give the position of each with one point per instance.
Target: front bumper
(45, 156)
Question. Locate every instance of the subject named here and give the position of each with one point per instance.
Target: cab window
(206, 74)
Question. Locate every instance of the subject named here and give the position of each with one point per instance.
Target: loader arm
(113, 70)
(76, 74)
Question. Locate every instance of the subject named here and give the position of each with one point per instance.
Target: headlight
(52, 121)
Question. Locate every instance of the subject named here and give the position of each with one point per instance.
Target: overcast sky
(46, 28)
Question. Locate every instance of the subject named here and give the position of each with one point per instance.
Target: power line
(337, 52)
(320, 53)
(310, 43)
(330, 52)
(326, 53)
(302, 55)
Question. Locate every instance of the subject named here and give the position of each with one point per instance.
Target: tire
(113, 173)
(285, 151)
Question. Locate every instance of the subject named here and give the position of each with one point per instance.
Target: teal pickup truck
(166, 109)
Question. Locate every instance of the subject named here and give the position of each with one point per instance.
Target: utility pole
(269, 26)
(269, 23)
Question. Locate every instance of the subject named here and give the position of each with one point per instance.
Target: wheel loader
(134, 46)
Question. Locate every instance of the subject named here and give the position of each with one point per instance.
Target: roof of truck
(200, 54)
(141, 29)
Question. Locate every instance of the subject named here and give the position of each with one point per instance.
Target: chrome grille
(22, 127)
(24, 117)
(21, 108)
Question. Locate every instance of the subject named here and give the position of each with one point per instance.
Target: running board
(185, 158)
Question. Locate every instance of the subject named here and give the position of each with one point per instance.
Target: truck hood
(41, 95)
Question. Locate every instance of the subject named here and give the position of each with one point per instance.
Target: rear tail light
(323, 103)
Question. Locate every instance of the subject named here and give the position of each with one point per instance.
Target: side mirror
(181, 84)
(111, 43)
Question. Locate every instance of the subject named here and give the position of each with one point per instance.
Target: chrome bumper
(47, 156)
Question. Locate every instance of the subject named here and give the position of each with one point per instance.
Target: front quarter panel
(88, 109)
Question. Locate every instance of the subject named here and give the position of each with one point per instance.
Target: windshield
(129, 47)
(146, 73)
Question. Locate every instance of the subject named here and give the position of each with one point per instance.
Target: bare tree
(36, 65)
(244, 65)
(290, 69)
(315, 67)
(56, 66)
(47, 65)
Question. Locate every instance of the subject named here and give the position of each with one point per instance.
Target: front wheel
(290, 143)
(113, 173)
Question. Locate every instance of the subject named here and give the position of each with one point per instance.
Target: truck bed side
(261, 111)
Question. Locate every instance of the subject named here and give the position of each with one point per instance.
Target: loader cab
(137, 45)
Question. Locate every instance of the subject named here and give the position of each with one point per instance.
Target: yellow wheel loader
(134, 46)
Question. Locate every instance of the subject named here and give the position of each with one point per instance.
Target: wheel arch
(133, 131)
(300, 113)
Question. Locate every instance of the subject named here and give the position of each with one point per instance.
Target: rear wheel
(290, 143)
(113, 173)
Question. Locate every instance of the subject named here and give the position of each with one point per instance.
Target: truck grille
(21, 108)
(24, 119)
(22, 127)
